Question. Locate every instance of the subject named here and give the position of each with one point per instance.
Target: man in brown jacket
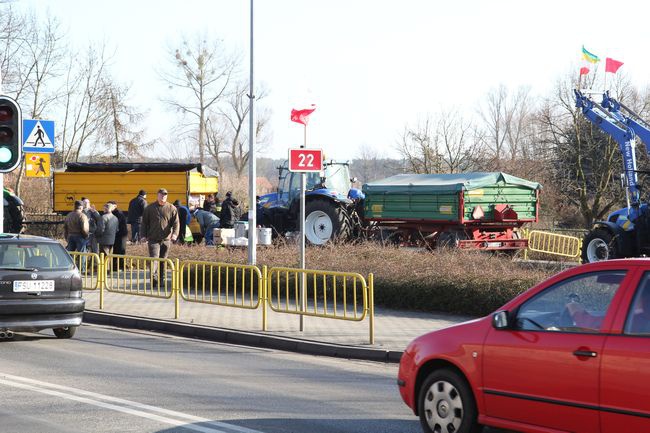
(159, 228)
(75, 228)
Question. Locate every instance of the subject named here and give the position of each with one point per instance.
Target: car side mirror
(501, 320)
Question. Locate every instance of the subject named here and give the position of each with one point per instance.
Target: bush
(460, 282)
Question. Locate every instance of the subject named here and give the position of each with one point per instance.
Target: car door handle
(587, 353)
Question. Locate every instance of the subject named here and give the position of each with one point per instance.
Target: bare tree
(419, 148)
(506, 118)
(456, 138)
(32, 54)
(235, 116)
(443, 143)
(199, 77)
(121, 132)
(86, 104)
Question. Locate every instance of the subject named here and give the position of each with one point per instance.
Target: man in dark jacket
(228, 212)
(122, 232)
(184, 219)
(160, 229)
(136, 209)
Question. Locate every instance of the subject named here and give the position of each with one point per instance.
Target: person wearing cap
(76, 228)
(208, 222)
(160, 227)
(136, 209)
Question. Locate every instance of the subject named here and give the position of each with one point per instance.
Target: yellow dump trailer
(101, 182)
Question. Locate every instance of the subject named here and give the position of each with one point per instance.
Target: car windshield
(42, 256)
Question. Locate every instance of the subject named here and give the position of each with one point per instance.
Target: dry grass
(462, 282)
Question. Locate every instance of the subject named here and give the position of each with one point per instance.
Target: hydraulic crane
(626, 232)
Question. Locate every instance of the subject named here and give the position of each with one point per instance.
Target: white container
(241, 229)
(264, 235)
(221, 236)
(240, 242)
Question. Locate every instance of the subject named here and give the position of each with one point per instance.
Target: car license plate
(34, 286)
(494, 244)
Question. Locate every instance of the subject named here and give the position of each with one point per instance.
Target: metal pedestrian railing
(89, 265)
(554, 244)
(325, 294)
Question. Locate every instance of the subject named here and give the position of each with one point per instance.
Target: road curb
(244, 338)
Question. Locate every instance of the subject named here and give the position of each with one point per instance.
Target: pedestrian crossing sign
(37, 165)
(38, 136)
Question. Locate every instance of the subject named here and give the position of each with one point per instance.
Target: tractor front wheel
(598, 245)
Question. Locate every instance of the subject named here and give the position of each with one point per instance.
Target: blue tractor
(626, 232)
(332, 205)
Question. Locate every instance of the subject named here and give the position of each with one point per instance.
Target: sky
(371, 67)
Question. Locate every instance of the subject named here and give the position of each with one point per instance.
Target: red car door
(625, 368)
(543, 371)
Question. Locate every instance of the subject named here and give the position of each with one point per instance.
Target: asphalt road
(108, 380)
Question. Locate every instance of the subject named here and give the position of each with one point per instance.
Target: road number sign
(302, 160)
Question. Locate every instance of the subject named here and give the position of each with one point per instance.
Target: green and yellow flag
(591, 58)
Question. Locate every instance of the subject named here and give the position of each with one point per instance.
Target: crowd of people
(159, 223)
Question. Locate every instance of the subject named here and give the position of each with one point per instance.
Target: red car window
(638, 317)
(578, 304)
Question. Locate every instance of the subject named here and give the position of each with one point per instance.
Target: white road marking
(121, 405)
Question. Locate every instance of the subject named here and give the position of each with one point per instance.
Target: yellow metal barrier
(89, 268)
(143, 276)
(325, 294)
(221, 284)
(553, 243)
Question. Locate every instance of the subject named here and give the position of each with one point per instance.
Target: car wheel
(67, 332)
(446, 404)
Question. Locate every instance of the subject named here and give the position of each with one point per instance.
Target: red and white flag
(302, 116)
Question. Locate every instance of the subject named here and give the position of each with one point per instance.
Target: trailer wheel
(599, 245)
(324, 222)
(450, 239)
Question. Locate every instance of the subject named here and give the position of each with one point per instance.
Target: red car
(572, 354)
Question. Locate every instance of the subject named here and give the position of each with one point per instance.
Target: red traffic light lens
(6, 135)
(6, 113)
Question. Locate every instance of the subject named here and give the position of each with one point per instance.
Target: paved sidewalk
(393, 329)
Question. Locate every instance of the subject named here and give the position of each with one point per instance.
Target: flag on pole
(302, 116)
(612, 65)
(584, 70)
(590, 57)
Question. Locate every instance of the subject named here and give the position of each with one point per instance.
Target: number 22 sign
(305, 160)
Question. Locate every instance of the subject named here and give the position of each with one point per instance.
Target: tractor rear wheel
(325, 221)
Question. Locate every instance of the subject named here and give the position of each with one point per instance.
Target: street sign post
(38, 136)
(37, 164)
(305, 160)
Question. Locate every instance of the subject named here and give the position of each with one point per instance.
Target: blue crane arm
(614, 124)
(629, 118)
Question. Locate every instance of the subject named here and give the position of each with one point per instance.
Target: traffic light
(11, 135)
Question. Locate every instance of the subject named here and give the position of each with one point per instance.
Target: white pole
(303, 286)
(252, 169)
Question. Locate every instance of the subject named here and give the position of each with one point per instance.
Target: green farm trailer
(468, 210)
